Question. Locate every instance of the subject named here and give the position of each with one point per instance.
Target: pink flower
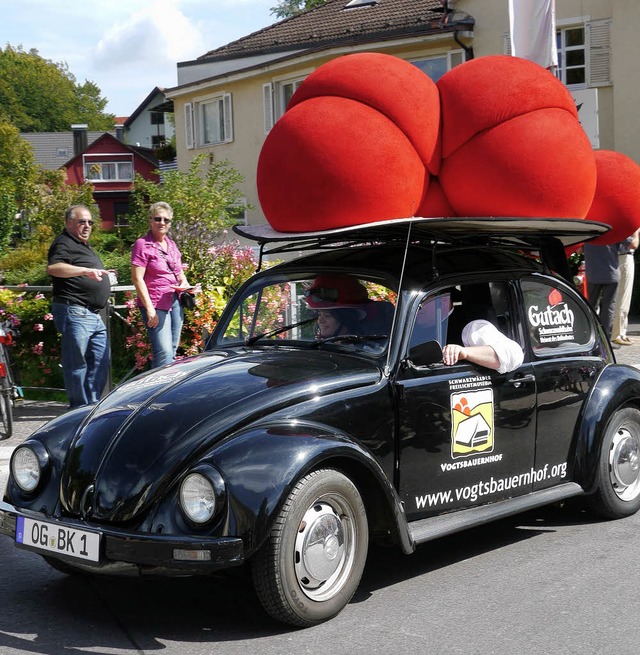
(38, 327)
(39, 296)
(48, 317)
(37, 349)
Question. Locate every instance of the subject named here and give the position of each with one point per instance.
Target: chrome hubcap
(624, 464)
(324, 548)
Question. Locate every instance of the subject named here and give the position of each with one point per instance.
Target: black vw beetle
(289, 444)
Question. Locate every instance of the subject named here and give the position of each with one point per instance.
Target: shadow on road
(44, 609)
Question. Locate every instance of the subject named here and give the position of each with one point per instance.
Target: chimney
(120, 132)
(79, 138)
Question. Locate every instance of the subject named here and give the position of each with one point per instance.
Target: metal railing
(110, 312)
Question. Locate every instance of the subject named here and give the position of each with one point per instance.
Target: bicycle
(9, 391)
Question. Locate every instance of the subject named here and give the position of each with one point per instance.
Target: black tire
(6, 409)
(312, 561)
(618, 493)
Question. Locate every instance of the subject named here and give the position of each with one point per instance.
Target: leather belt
(66, 301)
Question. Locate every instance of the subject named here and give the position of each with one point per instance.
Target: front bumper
(160, 553)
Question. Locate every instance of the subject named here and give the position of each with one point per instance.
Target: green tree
(18, 175)
(203, 203)
(38, 95)
(288, 8)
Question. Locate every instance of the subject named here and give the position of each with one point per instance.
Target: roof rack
(527, 234)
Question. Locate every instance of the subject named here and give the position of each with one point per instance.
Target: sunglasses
(162, 219)
(89, 223)
(320, 294)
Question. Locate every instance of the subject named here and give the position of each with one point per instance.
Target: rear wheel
(6, 409)
(618, 493)
(313, 559)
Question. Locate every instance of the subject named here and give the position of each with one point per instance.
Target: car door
(566, 356)
(466, 433)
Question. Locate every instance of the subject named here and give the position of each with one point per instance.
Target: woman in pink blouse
(156, 271)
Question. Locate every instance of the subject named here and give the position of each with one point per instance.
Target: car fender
(617, 386)
(55, 436)
(261, 465)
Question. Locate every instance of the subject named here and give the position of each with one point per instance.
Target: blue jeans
(166, 336)
(85, 352)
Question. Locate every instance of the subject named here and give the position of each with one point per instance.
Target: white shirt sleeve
(483, 333)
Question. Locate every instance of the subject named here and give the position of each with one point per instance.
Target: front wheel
(618, 492)
(6, 409)
(312, 561)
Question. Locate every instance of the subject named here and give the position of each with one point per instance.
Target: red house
(109, 164)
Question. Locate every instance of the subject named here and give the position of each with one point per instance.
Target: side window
(431, 320)
(489, 301)
(555, 320)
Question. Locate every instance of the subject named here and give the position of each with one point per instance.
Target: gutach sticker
(552, 323)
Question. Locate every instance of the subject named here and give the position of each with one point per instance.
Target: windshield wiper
(349, 338)
(249, 341)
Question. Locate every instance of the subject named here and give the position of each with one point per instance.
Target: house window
(436, 67)
(285, 92)
(116, 171)
(121, 214)
(157, 140)
(275, 98)
(238, 211)
(215, 120)
(572, 58)
(584, 52)
(157, 117)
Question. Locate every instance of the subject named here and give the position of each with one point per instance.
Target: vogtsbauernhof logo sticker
(471, 422)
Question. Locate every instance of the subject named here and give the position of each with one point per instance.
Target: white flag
(533, 31)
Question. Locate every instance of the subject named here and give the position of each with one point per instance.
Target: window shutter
(228, 117)
(189, 136)
(599, 32)
(267, 106)
(455, 58)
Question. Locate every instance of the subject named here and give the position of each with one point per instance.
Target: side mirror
(425, 354)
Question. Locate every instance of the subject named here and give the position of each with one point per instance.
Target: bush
(36, 349)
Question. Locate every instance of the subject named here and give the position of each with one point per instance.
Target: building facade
(228, 99)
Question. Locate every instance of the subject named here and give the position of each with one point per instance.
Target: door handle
(518, 382)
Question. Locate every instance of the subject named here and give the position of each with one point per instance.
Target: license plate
(60, 539)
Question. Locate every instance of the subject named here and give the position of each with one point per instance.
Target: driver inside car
(340, 302)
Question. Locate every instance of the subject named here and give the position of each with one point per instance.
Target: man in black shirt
(80, 290)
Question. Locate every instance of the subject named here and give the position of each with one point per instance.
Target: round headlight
(25, 467)
(197, 498)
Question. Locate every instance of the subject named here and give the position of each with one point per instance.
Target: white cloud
(152, 36)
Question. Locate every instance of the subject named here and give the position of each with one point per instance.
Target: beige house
(228, 99)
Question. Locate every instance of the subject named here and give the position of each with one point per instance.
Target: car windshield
(336, 309)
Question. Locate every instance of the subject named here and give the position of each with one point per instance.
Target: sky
(128, 47)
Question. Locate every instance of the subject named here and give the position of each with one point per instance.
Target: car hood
(146, 431)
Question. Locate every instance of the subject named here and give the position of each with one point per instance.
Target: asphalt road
(550, 582)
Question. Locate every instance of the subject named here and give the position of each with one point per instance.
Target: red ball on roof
(353, 146)
(512, 144)
(394, 87)
(332, 162)
(617, 196)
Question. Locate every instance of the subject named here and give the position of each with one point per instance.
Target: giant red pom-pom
(617, 197)
(353, 146)
(393, 86)
(331, 162)
(511, 142)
